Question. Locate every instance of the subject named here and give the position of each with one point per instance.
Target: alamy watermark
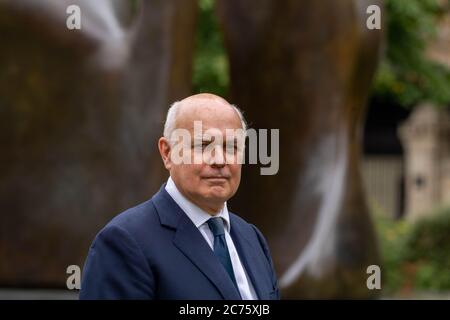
(373, 22)
(215, 146)
(73, 281)
(373, 281)
(73, 21)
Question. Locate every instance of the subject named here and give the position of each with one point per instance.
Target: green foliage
(405, 74)
(428, 246)
(416, 256)
(392, 236)
(210, 61)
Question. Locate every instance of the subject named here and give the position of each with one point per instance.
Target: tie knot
(216, 226)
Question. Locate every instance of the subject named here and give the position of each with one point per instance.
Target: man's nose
(218, 158)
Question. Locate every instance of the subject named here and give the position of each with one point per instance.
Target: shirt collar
(197, 215)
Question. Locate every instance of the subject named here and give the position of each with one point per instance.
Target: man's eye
(232, 148)
(201, 146)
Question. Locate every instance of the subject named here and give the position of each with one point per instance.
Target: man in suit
(183, 243)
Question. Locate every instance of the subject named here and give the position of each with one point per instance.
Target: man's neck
(209, 209)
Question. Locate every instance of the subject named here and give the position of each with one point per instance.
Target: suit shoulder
(237, 219)
(134, 219)
(249, 227)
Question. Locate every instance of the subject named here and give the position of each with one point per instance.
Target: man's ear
(164, 150)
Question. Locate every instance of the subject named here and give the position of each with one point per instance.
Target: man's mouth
(216, 178)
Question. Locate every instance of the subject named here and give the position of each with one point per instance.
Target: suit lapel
(189, 240)
(254, 263)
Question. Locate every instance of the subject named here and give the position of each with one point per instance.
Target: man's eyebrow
(208, 138)
(202, 138)
(232, 142)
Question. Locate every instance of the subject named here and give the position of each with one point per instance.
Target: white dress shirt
(199, 218)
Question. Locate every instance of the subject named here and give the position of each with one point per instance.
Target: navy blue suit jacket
(154, 251)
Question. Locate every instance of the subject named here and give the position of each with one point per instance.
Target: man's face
(215, 178)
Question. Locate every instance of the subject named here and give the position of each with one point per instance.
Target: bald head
(195, 107)
(205, 96)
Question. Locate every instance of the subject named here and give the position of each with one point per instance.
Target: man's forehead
(211, 113)
(212, 133)
(200, 106)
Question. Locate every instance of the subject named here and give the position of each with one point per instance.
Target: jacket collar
(189, 240)
(197, 215)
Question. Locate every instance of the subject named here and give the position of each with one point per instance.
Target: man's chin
(218, 194)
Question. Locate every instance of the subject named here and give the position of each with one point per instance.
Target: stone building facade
(426, 141)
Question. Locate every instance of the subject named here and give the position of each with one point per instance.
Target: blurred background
(364, 132)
